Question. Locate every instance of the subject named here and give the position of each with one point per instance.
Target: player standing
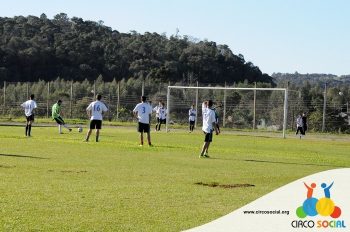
(192, 117)
(162, 116)
(156, 110)
(299, 126)
(304, 120)
(143, 113)
(217, 119)
(29, 107)
(209, 125)
(56, 115)
(94, 111)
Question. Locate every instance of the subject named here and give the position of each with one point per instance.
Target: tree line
(33, 48)
(122, 96)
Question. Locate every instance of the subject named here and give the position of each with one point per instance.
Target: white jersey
(156, 109)
(144, 110)
(162, 113)
(192, 114)
(208, 120)
(29, 106)
(299, 122)
(96, 108)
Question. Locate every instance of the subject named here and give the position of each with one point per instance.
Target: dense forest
(312, 78)
(37, 48)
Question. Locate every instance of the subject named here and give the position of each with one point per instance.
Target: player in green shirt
(56, 110)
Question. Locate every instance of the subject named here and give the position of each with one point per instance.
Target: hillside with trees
(33, 48)
(312, 78)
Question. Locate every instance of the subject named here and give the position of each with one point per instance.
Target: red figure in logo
(310, 190)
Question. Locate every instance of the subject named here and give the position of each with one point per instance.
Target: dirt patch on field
(214, 184)
(6, 166)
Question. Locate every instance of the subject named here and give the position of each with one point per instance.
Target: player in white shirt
(192, 117)
(156, 110)
(29, 107)
(143, 113)
(299, 125)
(161, 115)
(94, 111)
(209, 125)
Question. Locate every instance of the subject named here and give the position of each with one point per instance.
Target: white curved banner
(319, 202)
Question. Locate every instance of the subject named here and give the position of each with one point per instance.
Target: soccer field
(53, 182)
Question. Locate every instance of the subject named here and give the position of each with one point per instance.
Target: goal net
(258, 109)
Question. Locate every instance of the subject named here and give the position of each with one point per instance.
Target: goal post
(284, 90)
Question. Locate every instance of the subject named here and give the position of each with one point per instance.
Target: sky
(305, 36)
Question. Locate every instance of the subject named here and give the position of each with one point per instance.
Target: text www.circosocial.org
(272, 212)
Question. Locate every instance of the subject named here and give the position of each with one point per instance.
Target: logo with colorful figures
(324, 206)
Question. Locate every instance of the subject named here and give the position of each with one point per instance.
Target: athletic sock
(96, 138)
(26, 130)
(59, 129)
(29, 129)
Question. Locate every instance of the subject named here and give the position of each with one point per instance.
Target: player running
(192, 117)
(56, 115)
(143, 113)
(94, 111)
(29, 107)
(209, 125)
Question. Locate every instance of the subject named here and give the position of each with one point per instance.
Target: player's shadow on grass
(23, 156)
(304, 164)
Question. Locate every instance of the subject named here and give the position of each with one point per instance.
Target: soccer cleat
(206, 155)
(140, 145)
(70, 130)
(201, 156)
(150, 145)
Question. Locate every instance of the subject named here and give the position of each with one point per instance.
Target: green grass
(54, 182)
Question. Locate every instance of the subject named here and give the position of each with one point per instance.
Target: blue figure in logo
(327, 193)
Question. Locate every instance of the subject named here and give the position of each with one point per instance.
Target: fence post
(224, 110)
(4, 97)
(197, 93)
(285, 111)
(254, 112)
(47, 99)
(109, 106)
(324, 107)
(94, 90)
(27, 91)
(168, 108)
(71, 100)
(143, 87)
(118, 99)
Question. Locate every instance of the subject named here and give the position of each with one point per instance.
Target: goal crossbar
(285, 104)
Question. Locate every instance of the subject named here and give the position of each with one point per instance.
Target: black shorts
(192, 122)
(30, 118)
(162, 121)
(95, 124)
(143, 127)
(59, 120)
(208, 137)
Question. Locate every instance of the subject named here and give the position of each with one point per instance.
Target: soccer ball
(80, 129)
